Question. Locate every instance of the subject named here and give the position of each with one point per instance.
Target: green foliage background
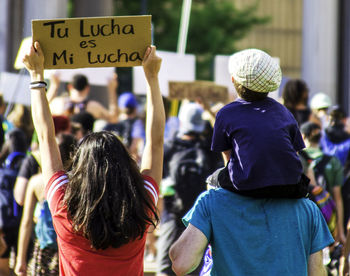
(215, 26)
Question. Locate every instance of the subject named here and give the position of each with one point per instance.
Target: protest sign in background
(192, 90)
(95, 76)
(118, 41)
(15, 88)
(23, 49)
(175, 67)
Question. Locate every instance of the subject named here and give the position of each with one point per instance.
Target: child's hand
(151, 62)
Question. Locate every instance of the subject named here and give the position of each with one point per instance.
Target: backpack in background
(44, 228)
(325, 202)
(319, 167)
(123, 129)
(319, 193)
(10, 211)
(188, 171)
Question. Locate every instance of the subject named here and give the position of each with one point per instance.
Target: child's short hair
(249, 95)
(255, 71)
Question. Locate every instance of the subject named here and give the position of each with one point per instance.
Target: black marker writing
(105, 29)
(113, 57)
(89, 43)
(57, 57)
(61, 32)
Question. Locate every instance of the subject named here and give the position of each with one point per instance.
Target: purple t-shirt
(264, 138)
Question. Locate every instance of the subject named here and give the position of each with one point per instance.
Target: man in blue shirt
(252, 236)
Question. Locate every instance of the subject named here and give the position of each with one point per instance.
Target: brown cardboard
(191, 90)
(114, 41)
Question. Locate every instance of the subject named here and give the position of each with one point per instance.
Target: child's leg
(298, 190)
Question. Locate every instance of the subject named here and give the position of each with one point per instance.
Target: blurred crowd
(28, 240)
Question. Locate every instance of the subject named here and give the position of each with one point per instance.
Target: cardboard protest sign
(115, 41)
(192, 90)
(175, 67)
(221, 73)
(15, 88)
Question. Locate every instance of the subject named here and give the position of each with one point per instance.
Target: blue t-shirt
(259, 236)
(264, 139)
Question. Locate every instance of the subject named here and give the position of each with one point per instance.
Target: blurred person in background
(320, 104)
(78, 99)
(336, 140)
(82, 124)
(45, 256)
(79, 90)
(187, 163)
(295, 97)
(10, 212)
(31, 163)
(21, 118)
(130, 128)
(333, 172)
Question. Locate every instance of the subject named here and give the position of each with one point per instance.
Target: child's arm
(25, 228)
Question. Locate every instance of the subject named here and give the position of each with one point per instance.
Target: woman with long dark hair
(103, 206)
(295, 97)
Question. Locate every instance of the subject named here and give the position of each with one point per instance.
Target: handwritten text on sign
(93, 42)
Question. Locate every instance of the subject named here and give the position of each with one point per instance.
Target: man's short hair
(80, 82)
(311, 131)
(336, 113)
(85, 120)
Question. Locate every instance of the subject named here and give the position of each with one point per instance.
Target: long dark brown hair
(295, 92)
(105, 198)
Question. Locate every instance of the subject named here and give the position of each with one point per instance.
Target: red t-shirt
(75, 253)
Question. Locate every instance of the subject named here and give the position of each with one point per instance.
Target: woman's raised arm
(152, 158)
(42, 118)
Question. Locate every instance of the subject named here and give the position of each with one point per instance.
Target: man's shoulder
(221, 195)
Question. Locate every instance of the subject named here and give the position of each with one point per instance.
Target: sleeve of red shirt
(54, 190)
(152, 188)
